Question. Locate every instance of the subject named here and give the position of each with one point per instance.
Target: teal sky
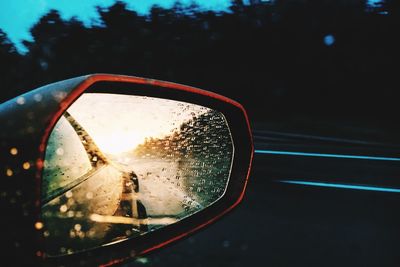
(18, 16)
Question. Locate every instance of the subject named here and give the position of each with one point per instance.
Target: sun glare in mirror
(119, 166)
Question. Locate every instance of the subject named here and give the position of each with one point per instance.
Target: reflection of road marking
(127, 220)
(160, 196)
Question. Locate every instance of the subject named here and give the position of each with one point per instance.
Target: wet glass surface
(119, 166)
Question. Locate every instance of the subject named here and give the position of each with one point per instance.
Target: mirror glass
(119, 166)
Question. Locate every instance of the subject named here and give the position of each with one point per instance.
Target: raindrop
(60, 151)
(37, 97)
(38, 225)
(72, 234)
(13, 151)
(81, 234)
(71, 201)
(26, 165)
(20, 100)
(9, 172)
(77, 227)
(89, 195)
(59, 95)
(63, 208)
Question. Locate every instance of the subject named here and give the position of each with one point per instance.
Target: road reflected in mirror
(119, 166)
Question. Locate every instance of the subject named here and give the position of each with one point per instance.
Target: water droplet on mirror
(20, 100)
(14, 151)
(77, 227)
(63, 208)
(70, 202)
(60, 151)
(38, 225)
(26, 165)
(37, 97)
(9, 172)
(72, 234)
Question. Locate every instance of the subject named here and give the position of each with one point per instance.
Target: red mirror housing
(27, 122)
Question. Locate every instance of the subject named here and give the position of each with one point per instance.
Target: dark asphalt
(292, 225)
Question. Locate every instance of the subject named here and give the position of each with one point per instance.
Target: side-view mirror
(101, 168)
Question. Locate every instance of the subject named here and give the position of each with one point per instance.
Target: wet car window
(65, 161)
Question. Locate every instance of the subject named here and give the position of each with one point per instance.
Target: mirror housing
(28, 121)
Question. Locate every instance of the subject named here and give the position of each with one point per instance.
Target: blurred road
(281, 224)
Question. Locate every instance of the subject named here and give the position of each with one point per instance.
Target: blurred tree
(281, 59)
(10, 61)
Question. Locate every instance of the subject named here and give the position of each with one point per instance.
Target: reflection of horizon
(115, 145)
(119, 123)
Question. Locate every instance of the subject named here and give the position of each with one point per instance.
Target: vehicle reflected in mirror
(119, 166)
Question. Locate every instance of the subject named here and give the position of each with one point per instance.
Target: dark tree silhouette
(271, 56)
(10, 61)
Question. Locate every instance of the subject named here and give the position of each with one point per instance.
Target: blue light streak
(324, 155)
(343, 186)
